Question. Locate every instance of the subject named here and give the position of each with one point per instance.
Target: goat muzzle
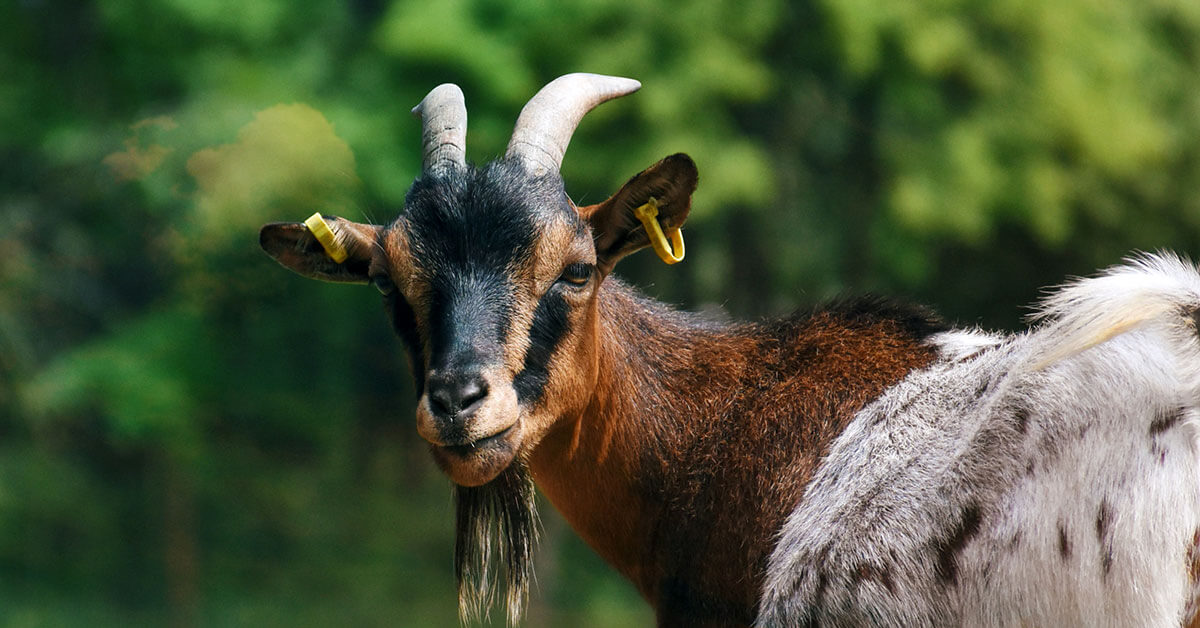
(471, 419)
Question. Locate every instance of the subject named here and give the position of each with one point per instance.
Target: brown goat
(675, 446)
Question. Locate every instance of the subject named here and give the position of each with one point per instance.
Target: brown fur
(698, 440)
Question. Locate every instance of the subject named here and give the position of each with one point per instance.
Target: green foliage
(189, 434)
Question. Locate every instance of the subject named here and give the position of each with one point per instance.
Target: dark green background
(190, 435)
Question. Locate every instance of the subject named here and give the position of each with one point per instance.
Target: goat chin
(479, 462)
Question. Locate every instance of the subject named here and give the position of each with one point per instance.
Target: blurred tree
(942, 141)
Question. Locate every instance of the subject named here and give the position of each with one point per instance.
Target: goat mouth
(467, 449)
(480, 461)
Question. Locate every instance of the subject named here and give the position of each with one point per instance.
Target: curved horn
(443, 114)
(547, 121)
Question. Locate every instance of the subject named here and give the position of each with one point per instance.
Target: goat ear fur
(295, 247)
(617, 232)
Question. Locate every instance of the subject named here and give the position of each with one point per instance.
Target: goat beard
(496, 528)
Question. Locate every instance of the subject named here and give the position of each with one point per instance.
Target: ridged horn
(548, 120)
(443, 114)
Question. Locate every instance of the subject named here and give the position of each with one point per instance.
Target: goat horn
(443, 114)
(547, 121)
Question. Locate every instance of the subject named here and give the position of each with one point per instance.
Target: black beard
(498, 519)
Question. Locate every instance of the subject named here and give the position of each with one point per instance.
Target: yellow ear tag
(321, 231)
(668, 253)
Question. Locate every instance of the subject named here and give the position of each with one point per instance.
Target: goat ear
(294, 246)
(618, 232)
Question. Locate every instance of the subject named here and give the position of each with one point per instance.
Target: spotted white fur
(1048, 478)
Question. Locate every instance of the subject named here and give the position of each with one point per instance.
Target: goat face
(491, 277)
(497, 272)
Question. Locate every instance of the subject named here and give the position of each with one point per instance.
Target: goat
(863, 464)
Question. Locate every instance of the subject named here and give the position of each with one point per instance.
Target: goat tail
(1087, 312)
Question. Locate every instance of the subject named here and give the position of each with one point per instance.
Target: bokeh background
(192, 436)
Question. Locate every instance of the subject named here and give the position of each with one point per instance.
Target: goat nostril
(453, 396)
(441, 400)
(473, 392)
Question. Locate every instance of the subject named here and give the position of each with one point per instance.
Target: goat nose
(456, 395)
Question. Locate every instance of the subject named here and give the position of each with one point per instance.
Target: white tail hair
(1086, 312)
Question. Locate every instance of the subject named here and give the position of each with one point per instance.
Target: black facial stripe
(468, 316)
(405, 324)
(549, 326)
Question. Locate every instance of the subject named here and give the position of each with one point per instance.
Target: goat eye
(383, 284)
(577, 274)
